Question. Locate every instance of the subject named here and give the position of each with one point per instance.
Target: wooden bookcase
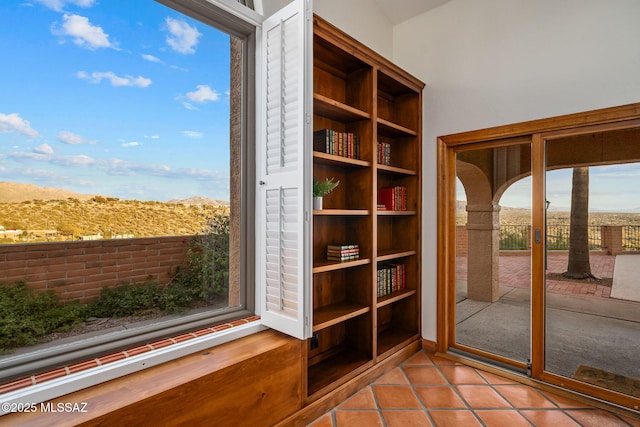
(356, 91)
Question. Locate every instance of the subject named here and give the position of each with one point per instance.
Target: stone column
(483, 234)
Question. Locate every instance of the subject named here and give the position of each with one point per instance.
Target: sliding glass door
(493, 252)
(592, 276)
(539, 250)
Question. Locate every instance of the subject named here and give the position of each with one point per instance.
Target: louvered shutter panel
(283, 161)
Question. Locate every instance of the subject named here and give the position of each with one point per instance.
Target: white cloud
(131, 144)
(203, 94)
(84, 33)
(43, 149)
(150, 58)
(58, 5)
(192, 134)
(190, 106)
(79, 160)
(182, 37)
(152, 136)
(10, 123)
(98, 76)
(71, 138)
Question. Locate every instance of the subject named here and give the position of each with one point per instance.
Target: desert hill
(198, 201)
(13, 192)
(55, 214)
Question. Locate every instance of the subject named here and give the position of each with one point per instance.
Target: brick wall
(80, 269)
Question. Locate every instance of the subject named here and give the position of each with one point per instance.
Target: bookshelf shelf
(384, 212)
(395, 296)
(392, 338)
(392, 254)
(338, 161)
(363, 104)
(396, 170)
(391, 129)
(340, 212)
(330, 315)
(336, 110)
(324, 266)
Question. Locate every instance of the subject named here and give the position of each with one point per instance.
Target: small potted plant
(320, 189)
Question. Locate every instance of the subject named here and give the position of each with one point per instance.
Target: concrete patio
(584, 325)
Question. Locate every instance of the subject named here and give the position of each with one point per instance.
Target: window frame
(224, 14)
(244, 24)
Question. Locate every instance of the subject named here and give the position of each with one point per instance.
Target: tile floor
(427, 390)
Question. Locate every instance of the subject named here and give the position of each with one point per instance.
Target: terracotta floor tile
(424, 375)
(635, 422)
(390, 396)
(495, 379)
(595, 418)
(362, 400)
(482, 396)
(446, 393)
(358, 418)
(521, 396)
(549, 418)
(565, 402)
(323, 421)
(502, 418)
(454, 418)
(462, 375)
(406, 418)
(419, 358)
(439, 397)
(395, 376)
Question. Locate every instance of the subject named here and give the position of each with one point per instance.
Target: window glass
(120, 171)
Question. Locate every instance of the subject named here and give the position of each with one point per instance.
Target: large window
(126, 175)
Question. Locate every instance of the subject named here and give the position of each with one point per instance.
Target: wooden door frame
(537, 131)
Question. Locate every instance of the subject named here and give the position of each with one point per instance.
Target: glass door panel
(592, 277)
(493, 253)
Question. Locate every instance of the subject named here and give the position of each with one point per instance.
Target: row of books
(392, 198)
(390, 278)
(344, 144)
(343, 252)
(384, 153)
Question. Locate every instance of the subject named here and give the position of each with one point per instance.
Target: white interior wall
(361, 19)
(495, 62)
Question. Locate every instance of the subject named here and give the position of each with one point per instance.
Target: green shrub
(206, 274)
(25, 316)
(134, 300)
(126, 300)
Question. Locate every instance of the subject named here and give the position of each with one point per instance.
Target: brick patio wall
(79, 270)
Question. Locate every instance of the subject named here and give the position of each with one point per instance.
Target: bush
(27, 315)
(135, 300)
(207, 271)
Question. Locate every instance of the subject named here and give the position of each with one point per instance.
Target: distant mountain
(198, 201)
(13, 192)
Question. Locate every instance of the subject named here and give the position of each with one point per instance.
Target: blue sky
(612, 188)
(118, 98)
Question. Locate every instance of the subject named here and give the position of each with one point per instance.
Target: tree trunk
(578, 266)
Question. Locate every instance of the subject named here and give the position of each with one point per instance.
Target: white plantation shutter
(284, 160)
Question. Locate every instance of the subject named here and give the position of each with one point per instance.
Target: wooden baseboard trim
(429, 345)
(325, 403)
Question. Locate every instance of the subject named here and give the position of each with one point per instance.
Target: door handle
(538, 235)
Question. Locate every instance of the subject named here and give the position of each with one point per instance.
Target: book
(384, 153)
(343, 144)
(341, 247)
(393, 198)
(390, 278)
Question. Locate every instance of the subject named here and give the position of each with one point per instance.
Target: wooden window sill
(190, 388)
